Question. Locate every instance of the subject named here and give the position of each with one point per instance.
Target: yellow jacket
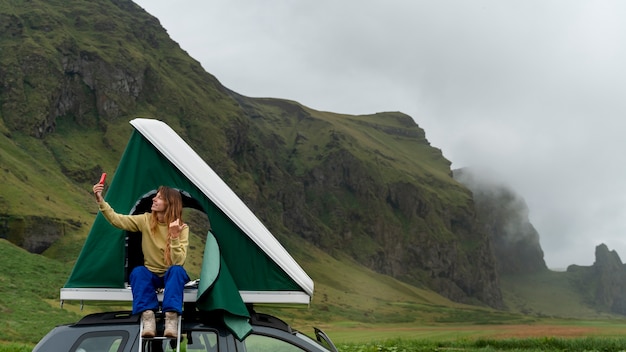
(153, 246)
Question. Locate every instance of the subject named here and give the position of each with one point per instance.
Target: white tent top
(180, 154)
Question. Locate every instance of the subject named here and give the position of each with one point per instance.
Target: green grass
(33, 183)
(547, 293)
(528, 345)
(29, 286)
(29, 296)
(605, 344)
(16, 347)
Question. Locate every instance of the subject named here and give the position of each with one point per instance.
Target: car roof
(126, 317)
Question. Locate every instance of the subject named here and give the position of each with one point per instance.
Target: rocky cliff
(342, 195)
(503, 214)
(602, 284)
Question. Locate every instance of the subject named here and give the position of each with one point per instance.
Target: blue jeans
(144, 283)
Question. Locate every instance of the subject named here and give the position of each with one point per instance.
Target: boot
(171, 324)
(149, 324)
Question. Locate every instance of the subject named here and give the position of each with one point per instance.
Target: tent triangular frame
(263, 271)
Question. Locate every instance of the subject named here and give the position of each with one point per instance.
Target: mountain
(503, 215)
(368, 190)
(74, 73)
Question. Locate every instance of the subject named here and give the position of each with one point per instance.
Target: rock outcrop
(603, 284)
(33, 233)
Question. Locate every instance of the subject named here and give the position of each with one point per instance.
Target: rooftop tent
(260, 268)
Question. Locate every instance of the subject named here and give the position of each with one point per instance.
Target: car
(200, 332)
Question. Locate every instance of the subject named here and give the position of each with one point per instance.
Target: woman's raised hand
(176, 227)
(97, 191)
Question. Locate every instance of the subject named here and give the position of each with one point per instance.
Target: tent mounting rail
(189, 295)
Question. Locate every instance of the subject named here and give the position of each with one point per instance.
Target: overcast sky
(533, 92)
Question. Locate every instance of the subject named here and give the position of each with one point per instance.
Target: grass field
(542, 335)
(548, 329)
(527, 345)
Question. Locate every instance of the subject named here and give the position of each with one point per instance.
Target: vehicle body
(201, 332)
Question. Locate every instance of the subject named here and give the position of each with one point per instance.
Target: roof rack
(263, 319)
(109, 318)
(126, 317)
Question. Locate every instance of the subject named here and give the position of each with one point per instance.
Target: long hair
(173, 211)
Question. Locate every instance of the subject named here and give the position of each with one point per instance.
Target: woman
(164, 242)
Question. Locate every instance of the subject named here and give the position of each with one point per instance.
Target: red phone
(102, 178)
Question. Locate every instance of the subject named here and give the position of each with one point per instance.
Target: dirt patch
(519, 331)
(530, 331)
(526, 331)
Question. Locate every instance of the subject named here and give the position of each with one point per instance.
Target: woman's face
(158, 203)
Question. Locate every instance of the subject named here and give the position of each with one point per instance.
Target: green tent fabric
(100, 263)
(217, 291)
(141, 170)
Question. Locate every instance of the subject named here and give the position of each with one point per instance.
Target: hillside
(370, 187)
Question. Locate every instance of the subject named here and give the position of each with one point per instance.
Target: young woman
(164, 242)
